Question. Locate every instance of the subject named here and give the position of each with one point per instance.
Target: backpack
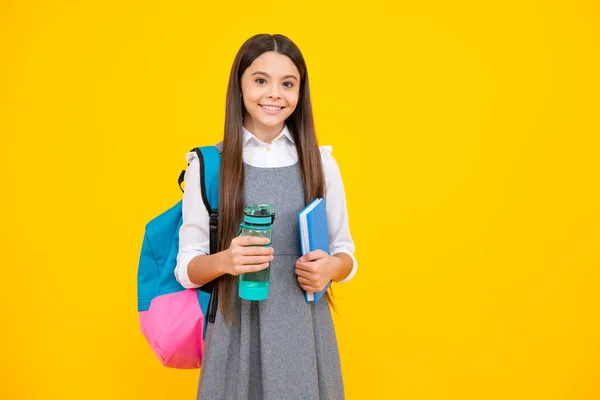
(174, 319)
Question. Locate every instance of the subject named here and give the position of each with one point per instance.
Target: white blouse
(194, 232)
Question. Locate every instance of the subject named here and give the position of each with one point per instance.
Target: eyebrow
(268, 76)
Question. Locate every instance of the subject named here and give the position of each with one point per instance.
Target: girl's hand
(315, 270)
(243, 255)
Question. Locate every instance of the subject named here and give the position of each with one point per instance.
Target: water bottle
(258, 220)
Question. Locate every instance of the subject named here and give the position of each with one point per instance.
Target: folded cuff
(181, 270)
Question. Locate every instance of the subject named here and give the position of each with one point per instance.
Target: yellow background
(467, 135)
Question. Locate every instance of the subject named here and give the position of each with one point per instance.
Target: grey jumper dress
(280, 348)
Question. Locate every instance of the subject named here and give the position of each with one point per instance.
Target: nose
(275, 92)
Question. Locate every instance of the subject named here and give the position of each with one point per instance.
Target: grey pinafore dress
(280, 348)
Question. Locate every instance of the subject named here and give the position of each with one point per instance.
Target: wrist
(223, 262)
(342, 266)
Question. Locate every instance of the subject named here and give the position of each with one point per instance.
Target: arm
(195, 266)
(317, 268)
(341, 245)
(344, 267)
(239, 258)
(194, 231)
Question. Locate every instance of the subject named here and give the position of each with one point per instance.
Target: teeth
(272, 108)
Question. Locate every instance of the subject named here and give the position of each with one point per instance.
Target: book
(314, 235)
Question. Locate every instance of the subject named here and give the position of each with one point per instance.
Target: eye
(288, 85)
(260, 81)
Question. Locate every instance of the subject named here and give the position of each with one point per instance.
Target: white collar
(284, 132)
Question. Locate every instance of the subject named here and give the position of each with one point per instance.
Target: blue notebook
(314, 235)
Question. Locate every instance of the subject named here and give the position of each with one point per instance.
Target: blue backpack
(173, 319)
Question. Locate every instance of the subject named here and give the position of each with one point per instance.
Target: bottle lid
(259, 214)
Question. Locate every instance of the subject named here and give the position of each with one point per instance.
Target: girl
(282, 347)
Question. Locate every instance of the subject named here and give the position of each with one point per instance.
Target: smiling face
(270, 90)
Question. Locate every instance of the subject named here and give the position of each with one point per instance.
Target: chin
(271, 122)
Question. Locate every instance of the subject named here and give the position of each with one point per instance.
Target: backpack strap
(209, 158)
(210, 165)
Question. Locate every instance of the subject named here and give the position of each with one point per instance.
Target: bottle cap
(259, 214)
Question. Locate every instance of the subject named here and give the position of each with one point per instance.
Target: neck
(265, 134)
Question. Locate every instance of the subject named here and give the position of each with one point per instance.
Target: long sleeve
(340, 239)
(194, 233)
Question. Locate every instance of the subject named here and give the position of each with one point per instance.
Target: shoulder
(326, 157)
(331, 169)
(191, 155)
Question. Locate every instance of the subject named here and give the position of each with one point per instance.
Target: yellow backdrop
(467, 136)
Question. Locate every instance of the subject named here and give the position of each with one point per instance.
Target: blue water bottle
(258, 220)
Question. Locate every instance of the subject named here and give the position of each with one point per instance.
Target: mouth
(271, 110)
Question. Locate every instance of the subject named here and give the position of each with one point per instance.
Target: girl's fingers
(256, 251)
(309, 288)
(303, 281)
(310, 266)
(238, 250)
(250, 240)
(314, 255)
(306, 282)
(253, 260)
(302, 273)
(240, 253)
(243, 269)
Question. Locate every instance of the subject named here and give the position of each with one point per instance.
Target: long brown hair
(301, 126)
